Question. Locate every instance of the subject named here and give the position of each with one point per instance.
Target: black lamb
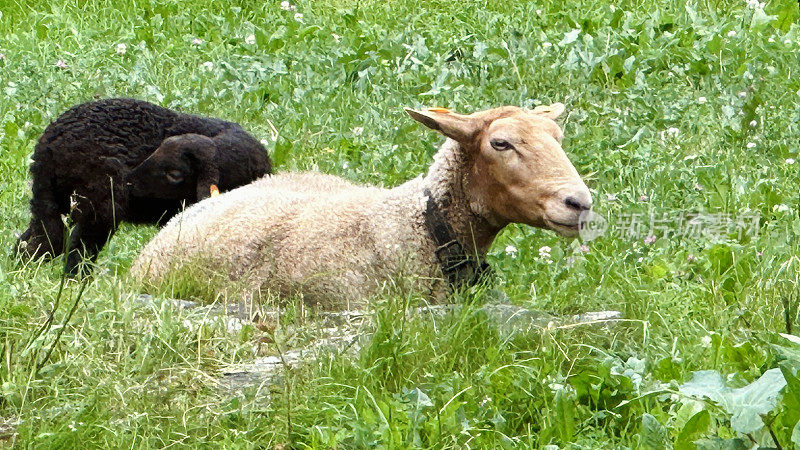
(108, 161)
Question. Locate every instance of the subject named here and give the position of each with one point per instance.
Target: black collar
(457, 264)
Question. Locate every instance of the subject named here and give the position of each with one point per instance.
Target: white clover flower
(208, 65)
(121, 48)
(751, 145)
(780, 208)
(250, 39)
(358, 130)
(673, 131)
(611, 197)
(61, 64)
(2, 56)
(705, 342)
(643, 198)
(197, 41)
(649, 239)
(753, 123)
(298, 17)
(701, 100)
(286, 6)
(787, 41)
(345, 165)
(771, 40)
(731, 33)
(336, 37)
(789, 161)
(511, 251)
(544, 252)
(742, 94)
(584, 248)
(546, 45)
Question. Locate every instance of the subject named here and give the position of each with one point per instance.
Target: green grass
(126, 375)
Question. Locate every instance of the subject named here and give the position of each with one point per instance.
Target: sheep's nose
(578, 204)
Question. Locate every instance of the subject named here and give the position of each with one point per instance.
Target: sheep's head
(182, 167)
(517, 170)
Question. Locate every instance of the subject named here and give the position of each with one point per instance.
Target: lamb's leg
(45, 233)
(85, 242)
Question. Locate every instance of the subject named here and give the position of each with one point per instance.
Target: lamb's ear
(456, 126)
(550, 111)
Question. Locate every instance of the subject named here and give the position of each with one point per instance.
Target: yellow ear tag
(439, 110)
(214, 190)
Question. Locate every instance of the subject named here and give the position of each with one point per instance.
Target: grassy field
(674, 109)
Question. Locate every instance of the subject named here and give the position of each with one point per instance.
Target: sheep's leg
(85, 242)
(45, 233)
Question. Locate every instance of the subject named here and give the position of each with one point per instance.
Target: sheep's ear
(550, 111)
(456, 126)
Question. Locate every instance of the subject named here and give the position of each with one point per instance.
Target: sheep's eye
(175, 176)
(501, 145)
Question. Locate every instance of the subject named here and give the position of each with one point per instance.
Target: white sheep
(335, 243)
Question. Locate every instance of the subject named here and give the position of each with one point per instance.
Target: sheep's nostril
(576, 204)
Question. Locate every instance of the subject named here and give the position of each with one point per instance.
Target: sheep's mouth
(565, 229)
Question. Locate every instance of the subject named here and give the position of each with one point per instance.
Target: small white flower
(121, 48)
(544, 252)
(701, 100)
(789, 161)
(538, 12)
(208, 65)
(649, 239)
(336, 37)
(753, 123)
(698, 187)
(250, 39)
(611, 197)
(286, 6)
(345, 165)
(298, 17)
(673, 131)
(731, 33)
(546, 45)
(771, 40)
(751, 145)
(2, 56)
(742, 94)
(511, 251)
(197, 41)
(780, 208)
(584, 248)
(358, 130)
(787, 41)
(61, 64)
(264, 142)
(705, 342)
(612, 8)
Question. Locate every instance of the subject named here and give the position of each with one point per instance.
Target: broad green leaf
(760, 20)
(746, 404)
(796, 434)
(695, 426)
(716, 443)
(653, 435)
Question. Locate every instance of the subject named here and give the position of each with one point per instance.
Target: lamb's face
(522, 174)
(171, 172)
(519, 173)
